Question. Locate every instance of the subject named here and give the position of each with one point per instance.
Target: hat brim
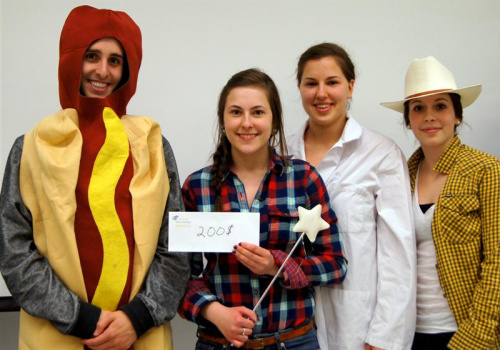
(467, 96)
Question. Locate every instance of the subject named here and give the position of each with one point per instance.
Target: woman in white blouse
(368, 184)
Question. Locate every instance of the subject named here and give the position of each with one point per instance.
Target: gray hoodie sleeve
(28, 275)
(166, 280)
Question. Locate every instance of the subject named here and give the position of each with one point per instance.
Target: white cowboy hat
(427, 76)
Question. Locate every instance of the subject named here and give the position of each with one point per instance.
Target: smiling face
(102, 68)
(433, 120)
(248, 123)
(325, 90)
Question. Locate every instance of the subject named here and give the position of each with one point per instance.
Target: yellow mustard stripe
(108, 168)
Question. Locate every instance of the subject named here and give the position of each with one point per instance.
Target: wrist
(139, 316)
(276, 267)
(86, 323)
(210, 310)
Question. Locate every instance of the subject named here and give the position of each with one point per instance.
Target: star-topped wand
(310, 223)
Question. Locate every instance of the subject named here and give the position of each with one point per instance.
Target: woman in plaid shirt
(247, 175)
(456, 200)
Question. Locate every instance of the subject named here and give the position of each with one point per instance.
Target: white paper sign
(211, 232)
(4, 292)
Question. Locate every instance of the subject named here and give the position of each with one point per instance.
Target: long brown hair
(222, 158)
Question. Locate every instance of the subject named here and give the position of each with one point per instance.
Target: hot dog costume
(84, 203)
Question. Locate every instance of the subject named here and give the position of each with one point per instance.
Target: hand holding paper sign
(310, 223)
(257, 259)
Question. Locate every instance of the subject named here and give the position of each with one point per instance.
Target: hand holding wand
(310, 223)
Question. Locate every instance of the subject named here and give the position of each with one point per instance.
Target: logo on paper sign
(181, 221)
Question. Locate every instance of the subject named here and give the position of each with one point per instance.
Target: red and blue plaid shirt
(290, 302)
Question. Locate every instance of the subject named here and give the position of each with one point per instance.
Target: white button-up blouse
(367, 180)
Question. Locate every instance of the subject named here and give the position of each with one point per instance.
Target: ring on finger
(244, 331)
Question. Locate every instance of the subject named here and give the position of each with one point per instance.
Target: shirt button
(255, 292)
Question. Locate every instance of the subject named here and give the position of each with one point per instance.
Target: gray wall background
(191, 48)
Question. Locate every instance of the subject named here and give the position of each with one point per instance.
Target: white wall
(191, 48)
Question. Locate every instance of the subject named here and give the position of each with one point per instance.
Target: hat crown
(428, 75)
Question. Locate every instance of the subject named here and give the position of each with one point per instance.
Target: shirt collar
(414, 160)
(444, 163)
(448, 157)
(276, 165)
(352, 131)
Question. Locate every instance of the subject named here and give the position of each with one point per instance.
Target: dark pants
(426, 341)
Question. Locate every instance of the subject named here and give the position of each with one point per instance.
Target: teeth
(322, 106)
(98, 85)
(247, 136)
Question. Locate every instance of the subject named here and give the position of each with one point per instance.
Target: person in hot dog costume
(85, 201)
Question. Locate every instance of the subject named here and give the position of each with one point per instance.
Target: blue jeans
(306, 342)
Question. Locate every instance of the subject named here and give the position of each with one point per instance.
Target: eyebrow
(437, 100)
(114, 54)
(254, 107)
(259, 106)
(330, 77)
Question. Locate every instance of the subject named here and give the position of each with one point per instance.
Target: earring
(347, 105)
(458, 122)
(223, 131)
(275, 131)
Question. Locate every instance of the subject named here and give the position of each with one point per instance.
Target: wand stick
(310, 223)
(279, 271)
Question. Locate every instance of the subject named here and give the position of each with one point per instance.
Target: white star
(310, 222)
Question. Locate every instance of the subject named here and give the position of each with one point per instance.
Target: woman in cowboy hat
(457, 217)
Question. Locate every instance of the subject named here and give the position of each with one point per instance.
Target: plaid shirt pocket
(460, 218)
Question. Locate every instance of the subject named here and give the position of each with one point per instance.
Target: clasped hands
(114, 331)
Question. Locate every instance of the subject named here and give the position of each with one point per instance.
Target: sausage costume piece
(96, 184)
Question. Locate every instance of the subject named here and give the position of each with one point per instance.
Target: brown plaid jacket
(466, 233)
